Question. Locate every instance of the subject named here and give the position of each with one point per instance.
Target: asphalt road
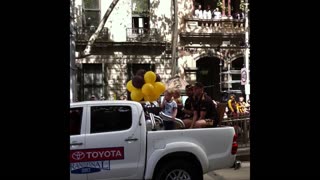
(230, 174)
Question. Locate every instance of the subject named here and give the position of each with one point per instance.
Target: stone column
(193, 8)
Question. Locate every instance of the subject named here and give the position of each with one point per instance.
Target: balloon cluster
(145, 86)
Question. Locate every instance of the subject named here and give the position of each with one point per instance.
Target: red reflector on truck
(234, 144)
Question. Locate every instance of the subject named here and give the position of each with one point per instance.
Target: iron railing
(84, 34)
(143, 35)
(194, 25)
(241, 125)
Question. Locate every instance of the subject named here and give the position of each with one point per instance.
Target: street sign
(247, 88)
(243, 76)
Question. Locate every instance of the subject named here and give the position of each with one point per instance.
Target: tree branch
(94, 36)
(82, 55)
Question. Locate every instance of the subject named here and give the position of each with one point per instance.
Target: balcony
(143, 35)
(209, 27)
(84, 34)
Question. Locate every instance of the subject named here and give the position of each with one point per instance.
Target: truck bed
(215, 145)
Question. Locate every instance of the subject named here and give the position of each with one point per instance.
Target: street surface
(230, 174)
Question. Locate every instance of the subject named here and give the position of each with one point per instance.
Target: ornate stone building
(139, 34)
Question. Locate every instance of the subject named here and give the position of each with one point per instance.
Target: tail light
(234, 144)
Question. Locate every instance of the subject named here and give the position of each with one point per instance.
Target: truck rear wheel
(178, 169)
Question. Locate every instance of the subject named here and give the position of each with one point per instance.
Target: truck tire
(178, 169)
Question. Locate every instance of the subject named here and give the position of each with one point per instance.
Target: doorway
(208, 75)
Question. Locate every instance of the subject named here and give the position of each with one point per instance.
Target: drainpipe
(247, 85)
(174, 39)
(220, 64)
(73, 94)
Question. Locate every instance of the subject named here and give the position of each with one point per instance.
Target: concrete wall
(119, 20)
(161, 17)
(116, 59)
(121, 17)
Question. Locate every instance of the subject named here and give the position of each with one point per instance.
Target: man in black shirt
(187, 109)
(204, 111)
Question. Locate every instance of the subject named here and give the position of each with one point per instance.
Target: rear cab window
(110, 118)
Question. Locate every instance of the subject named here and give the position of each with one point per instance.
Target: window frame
(98, 10)
(82, 123)
(144, 13)
(90, 109)
(94, 71)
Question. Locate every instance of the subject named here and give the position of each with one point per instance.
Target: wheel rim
(178, 174)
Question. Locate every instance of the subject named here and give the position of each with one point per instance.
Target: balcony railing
(143, 35)
(195, 25)
(84, 34)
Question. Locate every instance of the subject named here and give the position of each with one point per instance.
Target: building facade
(140, 34)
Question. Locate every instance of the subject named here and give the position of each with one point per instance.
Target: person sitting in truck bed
(187, 109)
(178, 100)
(204, 111)
(169, 107)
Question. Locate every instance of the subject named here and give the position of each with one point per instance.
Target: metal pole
(247, 49)
(73, 93)
(220, 64)
(174, 39)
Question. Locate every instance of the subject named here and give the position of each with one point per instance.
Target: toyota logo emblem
(78, 155)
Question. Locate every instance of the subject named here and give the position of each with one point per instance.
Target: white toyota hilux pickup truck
(120, 140)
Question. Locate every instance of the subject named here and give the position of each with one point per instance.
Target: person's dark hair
(233, 96)
(198, 84)
(224, 97)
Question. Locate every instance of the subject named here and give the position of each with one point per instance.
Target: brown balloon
(137, 81)
(158, 79)
(141, 72)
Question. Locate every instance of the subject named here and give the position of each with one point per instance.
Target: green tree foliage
(140, 7)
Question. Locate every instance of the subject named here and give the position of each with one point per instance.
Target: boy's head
(168, 94)
(176, 93)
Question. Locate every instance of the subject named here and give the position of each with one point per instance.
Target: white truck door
(113, 142)
(77, 142)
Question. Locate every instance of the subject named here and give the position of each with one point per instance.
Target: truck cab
(98, 155)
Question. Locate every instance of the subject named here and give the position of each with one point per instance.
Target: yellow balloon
(150, 77)
(147, 89)
(154, 97)
(159, 88)
(157, 95)
(147, 98)
(130, 86)
(136, 95)
(150, 98)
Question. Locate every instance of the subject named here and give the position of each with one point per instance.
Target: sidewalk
(230, 174)
(243, 173)
(243, 154)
